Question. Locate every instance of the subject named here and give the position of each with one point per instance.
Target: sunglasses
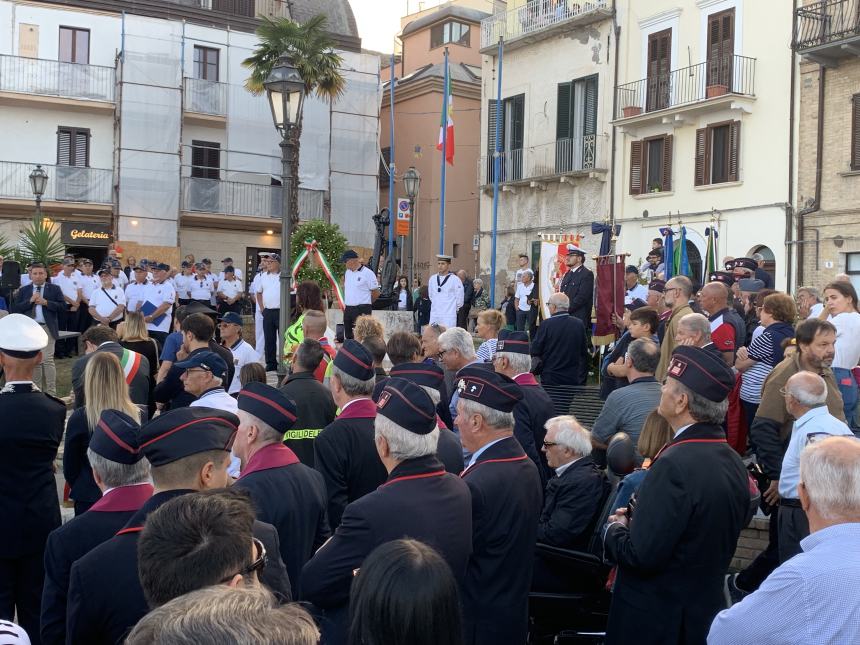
(256, 566)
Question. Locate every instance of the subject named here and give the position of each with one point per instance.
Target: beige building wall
(417, 51)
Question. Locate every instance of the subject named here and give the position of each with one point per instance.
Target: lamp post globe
(38, 182)
(412, 183)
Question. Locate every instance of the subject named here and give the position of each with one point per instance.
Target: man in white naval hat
(446, 293)
(30, 435)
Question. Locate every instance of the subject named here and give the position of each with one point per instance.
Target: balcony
(26, 78)
(245, 199)
(555, 161)
(726, 82)
(538, 19)
(247, 8)
(828, 30)
(205, 101)
(69, 188)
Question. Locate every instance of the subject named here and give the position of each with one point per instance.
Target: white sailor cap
(21, 336)
(444, 258)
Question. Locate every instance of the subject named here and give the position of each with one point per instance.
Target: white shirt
(357, 287)
(68, 284)
(122, 278)
(25, 279)
(254, 287)
(158, 294)
(638, 291)
(135, 295)
(182, 283)
(39, 313)
(201, 289)
(103, 305)
(90, 283)
(847, 339)
(230, 288)
(270, 288)
(524, 292)
(519, 275)
(815, 310)
(243, 353)
(560, 470)
(446, 297)
(238, 274)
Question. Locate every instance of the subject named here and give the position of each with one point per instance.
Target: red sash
(360, 409)
(526, 379)
(124, 498)
(275, 455)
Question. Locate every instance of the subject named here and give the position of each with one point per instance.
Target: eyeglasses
(257, 565)
(549, 444)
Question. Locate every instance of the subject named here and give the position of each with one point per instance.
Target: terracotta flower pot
(716, 90)
(631, 110)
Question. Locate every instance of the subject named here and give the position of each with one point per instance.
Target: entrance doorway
(95, 253)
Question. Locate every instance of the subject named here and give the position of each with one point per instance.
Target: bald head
(714, 297)
(461, 274)
(807, 388)
(830, 478)
(560, 301)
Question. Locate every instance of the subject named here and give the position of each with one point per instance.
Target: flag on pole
(711, 235)
(683, 260)
(668, 252)
(446, 139)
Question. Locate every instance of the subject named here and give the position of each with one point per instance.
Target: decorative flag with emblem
(447, 139)
(711, 235)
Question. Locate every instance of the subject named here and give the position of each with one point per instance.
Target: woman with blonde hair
(104, 389)
(487, 327)
(656, 433)
(366, 326)
(134, 337)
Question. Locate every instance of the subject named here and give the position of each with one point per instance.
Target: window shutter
(734, 150)
(636, 167)
(518, 121)
(855, 132)
(562, 119)
(491, 126)
(590, 121)
(82, 150)
(701, 177)
(667, 163)
(64, 147)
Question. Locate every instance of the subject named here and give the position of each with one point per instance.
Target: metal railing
(249, 8)
(53, 78)
(242, 198)
(65, 183)
(560, 157)
(205, 97)
(826, 22)
(722, 75)
(534, 16)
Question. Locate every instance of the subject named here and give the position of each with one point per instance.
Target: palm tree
(312, 52)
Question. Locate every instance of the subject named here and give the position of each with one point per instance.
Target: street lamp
(286, 91)
(412, 182)
(38, 182)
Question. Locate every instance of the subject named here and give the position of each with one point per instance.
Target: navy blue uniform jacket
(572, 503)
(506, 503)
(561, 347)
(671, 561)
(419, 500)
(530, 415)
(291, 497)
(76, 467)
(105, 598)
(578, 286)
(75, 539)
(56, 304)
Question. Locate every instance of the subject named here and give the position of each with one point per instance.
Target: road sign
(404, 214)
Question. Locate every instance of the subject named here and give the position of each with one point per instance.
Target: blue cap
(489, 388)
(185, 264)
(232, 318)
(229, 269)
(354, 359)
(348, 255)
(161, 266)
(703, 372)
(275, 256)
(205, 360)
(116, 437)
(407, 405)
(187, 431)
(269, 405)
(424, 374)
(514, 342)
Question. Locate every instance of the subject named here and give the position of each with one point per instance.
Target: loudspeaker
(10, 276)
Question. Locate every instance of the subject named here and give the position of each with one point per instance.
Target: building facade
(703, 109)
(139, 115)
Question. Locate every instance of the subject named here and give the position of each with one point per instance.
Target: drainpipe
(789, 208)
(616, 31)
(816, 201)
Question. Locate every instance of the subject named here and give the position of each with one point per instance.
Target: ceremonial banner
(609, 295)
(711, 235)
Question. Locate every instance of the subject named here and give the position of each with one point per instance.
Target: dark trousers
(793, 526)
(751, 578)
(350, 313)
(67, 321)
(21, 582)
(270, 332)
(463, 317)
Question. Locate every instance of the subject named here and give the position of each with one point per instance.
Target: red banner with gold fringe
(610, 294)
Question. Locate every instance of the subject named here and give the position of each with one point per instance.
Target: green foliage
(40, 242)
(330, 241)
(7, 249)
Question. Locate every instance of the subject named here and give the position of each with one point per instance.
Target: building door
(512, 138)
(721, 48)
(659, 67)
(252, 261)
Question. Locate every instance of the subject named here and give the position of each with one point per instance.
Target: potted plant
(631, 110)
(717, 89)
(655, 188)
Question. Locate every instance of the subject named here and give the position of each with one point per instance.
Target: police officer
(118, 468)
(30, 434)
(506, 505)
(287, 494)
(446, 293)
(578, 285)
(419, 500)
(189, 450)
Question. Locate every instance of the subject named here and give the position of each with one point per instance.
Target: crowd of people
(417, 487)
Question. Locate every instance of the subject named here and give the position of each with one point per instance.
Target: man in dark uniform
(189, 450)
(513, 359)
(673, 553)
(506, 504)
(345, 452)
(30, 433)
(561, 344)
(578, 285)
(118, 468)
(419, 500)
(287, 494)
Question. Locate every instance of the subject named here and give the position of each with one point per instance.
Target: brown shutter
(635, 167)
(734, 150)
(64, 147)
(667, 163)
(855, 132)
(701, 177)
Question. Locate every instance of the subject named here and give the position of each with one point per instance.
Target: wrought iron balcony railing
(53, 78)
(205, 97)
(534, 16)
(65, 183)
(203, 195)
(560, 157)
(826, 22)
(249, 8)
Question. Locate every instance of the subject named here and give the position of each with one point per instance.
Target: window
(74, 45)
(384, 164)
(511, 134)
(449, 32)
(659, 64)
(73, 147)
(455, 251)
(852, 268)
(206, 63)
(717, 153)
(205, 159)
(855, 132)
(721, 46)
(576, 125)
(651, 165)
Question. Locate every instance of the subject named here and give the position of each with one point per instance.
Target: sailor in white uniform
(446, 293)
(253, 288)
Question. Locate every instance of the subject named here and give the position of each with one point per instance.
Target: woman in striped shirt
(489, 323)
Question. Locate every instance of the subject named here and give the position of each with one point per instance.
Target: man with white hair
(811, 598)
(561, 345)
(806, 401)
(694, 330)
(577, 492)
(456, 350)
(418, 500)
(761, 273)
(809, 303)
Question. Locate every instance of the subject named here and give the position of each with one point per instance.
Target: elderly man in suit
(44, 303)
(102, 338)
(561, 345)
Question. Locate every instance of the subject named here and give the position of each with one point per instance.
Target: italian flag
(447, 140)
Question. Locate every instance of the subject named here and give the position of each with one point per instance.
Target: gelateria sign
(79, 234)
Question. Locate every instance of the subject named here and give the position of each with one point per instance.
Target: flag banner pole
(391, 165)
(444, 134)
(497, 169)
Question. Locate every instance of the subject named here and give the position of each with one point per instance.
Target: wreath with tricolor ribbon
(312, 249)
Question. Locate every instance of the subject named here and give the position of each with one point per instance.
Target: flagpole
(497, 170)
(391, 167)
(445, 102)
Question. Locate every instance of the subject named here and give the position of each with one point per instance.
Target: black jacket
(449, 450)
(571, 505)
(506, 501)
(671, 561)
(105, 598)
(560, 345)
(578, 286)
(56, 305)
(434, 509)
(171, 391)
(138, 388)
(315, 410)
(468, 293)
(530, 415)
(395, 306)
(76, 467)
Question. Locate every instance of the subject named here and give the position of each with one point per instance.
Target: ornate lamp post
(39, 182)
(412, 183)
